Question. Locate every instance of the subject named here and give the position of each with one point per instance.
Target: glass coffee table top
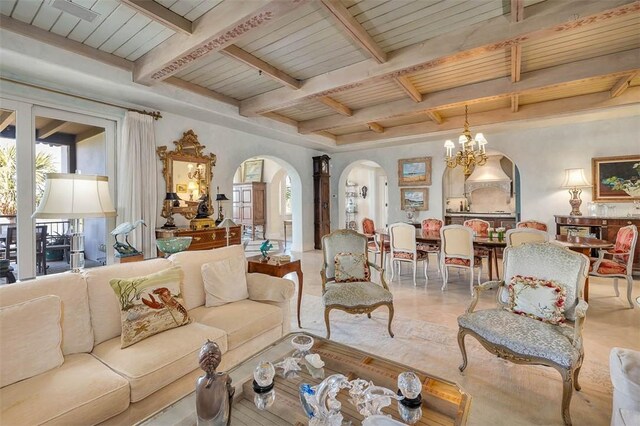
(443, 402)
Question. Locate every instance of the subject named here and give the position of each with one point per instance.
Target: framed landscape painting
(252, 171)
(418, 198)
(616, 179)
(414, 171)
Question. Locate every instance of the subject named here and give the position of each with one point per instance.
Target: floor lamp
(227, 223)
(75, 197)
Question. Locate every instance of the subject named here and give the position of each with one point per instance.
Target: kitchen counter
(474, 214)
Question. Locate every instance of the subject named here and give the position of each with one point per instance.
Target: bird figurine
(264, 248)
(125, 228)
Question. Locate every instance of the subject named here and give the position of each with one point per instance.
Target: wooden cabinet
(250, 206)
(204, 239)
(506, 222)
(321, 199)
(605, 228)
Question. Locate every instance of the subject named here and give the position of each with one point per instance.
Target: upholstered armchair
(346, 280)
(618, 262)
(524, 340)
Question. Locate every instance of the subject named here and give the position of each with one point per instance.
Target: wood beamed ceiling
(364, 70)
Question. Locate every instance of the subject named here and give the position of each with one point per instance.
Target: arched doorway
(362, 192)
(283, 199)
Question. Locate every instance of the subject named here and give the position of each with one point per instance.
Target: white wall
(232, 147)
(541, 155)
(363, 175)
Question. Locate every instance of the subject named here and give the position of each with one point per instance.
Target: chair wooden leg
(445, 276)
(415, 267)
(326, 321)
(576, 372)
(629, 290)
(369, 315)
(463, 349)
(615, 287)
(390, 319)
(471, 280)
(567, 393)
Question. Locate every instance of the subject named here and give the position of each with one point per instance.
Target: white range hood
(489, 175)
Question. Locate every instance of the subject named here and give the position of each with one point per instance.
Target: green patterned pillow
(351, 267)
(150, 305)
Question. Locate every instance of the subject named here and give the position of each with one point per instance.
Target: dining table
(583, 245)
(429, 237)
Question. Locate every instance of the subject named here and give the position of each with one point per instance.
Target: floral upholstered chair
(456, 251)
(431, 225)
(619, 260)
(346, 277)
(480, 229)
(373, 246)
(532, 224)
(540, 313)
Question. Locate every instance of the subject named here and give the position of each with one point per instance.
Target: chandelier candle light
(574, 179)
(468, 156)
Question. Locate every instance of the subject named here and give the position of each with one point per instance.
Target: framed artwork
(414, 171)
(181, 187)
(418, 198)
(252, 171)
(616, 178)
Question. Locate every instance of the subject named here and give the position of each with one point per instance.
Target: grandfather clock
(321, 194)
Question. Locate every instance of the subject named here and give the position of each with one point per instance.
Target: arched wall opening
(374, 205)
(280, 178)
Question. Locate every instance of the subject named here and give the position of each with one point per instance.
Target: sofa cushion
(82, 391)
(351, 267)
(191, 262)
(158, 360)
(150, 304)
(523, 335)
(105, 309)
(355, 294)
(242, 320)
(77, 334)
(30, 338)
(225, 281)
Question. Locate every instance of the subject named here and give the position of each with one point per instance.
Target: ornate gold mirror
(188, 173)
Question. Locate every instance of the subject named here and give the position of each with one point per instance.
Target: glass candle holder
(264, 400)
(263, 377)
(409, 384)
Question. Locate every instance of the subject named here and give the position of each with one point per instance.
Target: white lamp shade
(75, 196)
(227, 223)
(449, 144)
(575, 178)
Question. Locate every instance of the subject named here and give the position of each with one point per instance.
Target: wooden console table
(255, 265)
(204, 239)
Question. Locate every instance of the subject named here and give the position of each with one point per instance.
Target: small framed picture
(414, 171)
(616, 179)
(181, 187)
(252, 171)
(418, 198)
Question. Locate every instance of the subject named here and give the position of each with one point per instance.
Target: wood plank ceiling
(364, 70)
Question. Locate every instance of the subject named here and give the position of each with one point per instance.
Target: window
(287, 195)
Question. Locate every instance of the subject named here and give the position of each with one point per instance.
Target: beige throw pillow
(225, 281)
(150, 305)
(31, 339)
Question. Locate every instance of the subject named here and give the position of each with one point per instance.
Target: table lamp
(219, 198)
(227, 223)
(75, 196)
(167, 212)
(574, 179)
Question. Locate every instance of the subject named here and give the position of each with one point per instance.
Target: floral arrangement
(630, 186)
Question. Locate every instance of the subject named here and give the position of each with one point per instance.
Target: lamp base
(575, 202)
(76, 255)
(170, 223)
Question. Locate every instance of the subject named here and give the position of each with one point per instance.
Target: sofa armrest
(265, 288)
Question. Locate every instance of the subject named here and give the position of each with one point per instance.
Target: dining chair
(620, 261)
(369, 230)
(432, 225)
(404, 249)
(518, 236)
(480, 229)
(11, 246)
(532, 224)
(456, 251)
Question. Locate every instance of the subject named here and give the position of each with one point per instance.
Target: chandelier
(468, 156)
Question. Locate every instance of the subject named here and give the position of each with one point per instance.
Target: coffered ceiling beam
(435, 117)
(515, 103)
(6, 118)
(51, 128)
(375, 127)
(517, 15)
(544, 20)
(162, 15)
(200, 90)
(281, 77)
(336, 106)
(281, 118)
(616, 64)
(94, 131)
(350, 26)
(517, 10)
(622, 85)
(556, 108)
(409, 88)
(225, 24)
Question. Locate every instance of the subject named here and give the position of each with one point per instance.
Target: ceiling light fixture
(468, 156)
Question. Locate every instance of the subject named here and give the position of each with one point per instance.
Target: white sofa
(100, 382)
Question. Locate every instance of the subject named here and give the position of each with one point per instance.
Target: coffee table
(443, 402)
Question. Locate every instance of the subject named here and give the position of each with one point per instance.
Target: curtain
(137, 181)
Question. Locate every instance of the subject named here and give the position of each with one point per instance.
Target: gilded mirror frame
(187, 149)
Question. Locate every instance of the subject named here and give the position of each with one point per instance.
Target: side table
(255, 265)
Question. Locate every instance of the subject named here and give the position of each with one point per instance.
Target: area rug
(502, 393)
(252, 248)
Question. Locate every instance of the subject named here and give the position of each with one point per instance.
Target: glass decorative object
(302, 344)
(288, 366)
(409, 384)
(320, 403)
(411, 213)
(500, 232)
(263, 377)
(173, 244)
(370, 399)
(264, 400)
(409, 415)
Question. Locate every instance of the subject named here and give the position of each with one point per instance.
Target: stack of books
(279, 259)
